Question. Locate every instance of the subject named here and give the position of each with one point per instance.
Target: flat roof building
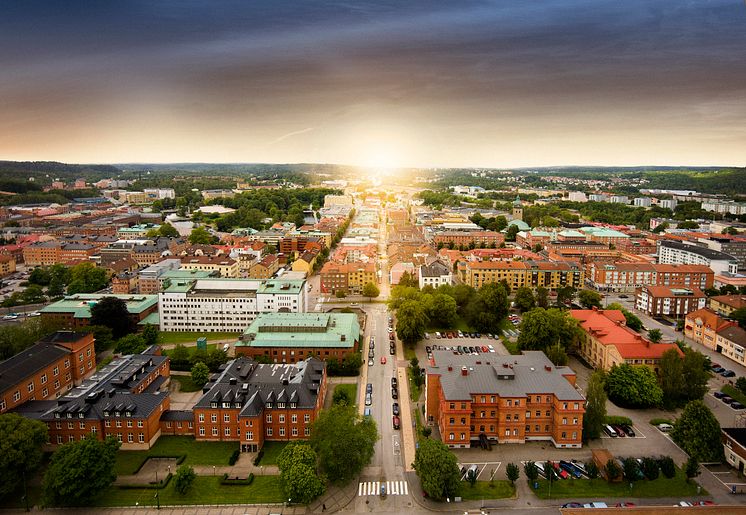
(75, 310)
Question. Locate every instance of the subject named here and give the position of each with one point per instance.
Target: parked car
(719, 395)
(736, 405)
(394, 382)
(370, 363)
(619, 431)
(572, 505)
(395, 408)
(427, 336)
(437, 334)
(395, 421)
(367, 412)
(715, 365)
(728, 373)
(371, 354)
(628, 430)
(566, 465)
(718, 370)
(665, 428)
(369, 388)
(609, 431)
(394, 393)
(392, 350)
(727, 400)
(368, 399)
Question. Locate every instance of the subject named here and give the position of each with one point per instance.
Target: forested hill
(26, 169)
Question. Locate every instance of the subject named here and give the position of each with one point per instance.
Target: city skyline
(441, 84)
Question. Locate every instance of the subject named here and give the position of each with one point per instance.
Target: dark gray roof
(696, 249)
(248, 385)
(101, 405)
(738, 434)
(508, 376)
(177, 415)
(435, 269)
(16, 369)
(734, 334)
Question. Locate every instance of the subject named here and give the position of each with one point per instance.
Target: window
(282, 419)
(59, 438)
(507, 432)
(227, 431)
(56, 371)
(130, 437)
(492, 399)
(564, 421)
(547, 413)
(294, 418)
(282, 431)
(452, 420)
(141, 438)
(574, 435)
(119, 423)
(577, 405)
(462, 436)
(249, 435)
(129, 423)
(269, 431)
(307, 431)
(43, 378)
(94, 430)
(518, 402)
(57, 384)
(482, 414)
(226, 418)
(213, 417)
(201, 417)
(453, 405)
(58, 425)
(515, 432)
(70, 425)
(214, 431)
(139, 423)
(295, 431)
(30, 387)
(202, 431)
(81, 425)
(269, 418)
(564, 434)
(107, 423)
(451, 436)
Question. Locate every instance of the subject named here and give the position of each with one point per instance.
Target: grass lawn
(460, 325)
(197, 453)
(735, 393)
(351, 390)
(661, 487)
(205, 490)
(501, 489)
(414, 390)
(187, 337)
(511, 347)
(187, 385)
(191, 350)
(14, 500)
(272, 451)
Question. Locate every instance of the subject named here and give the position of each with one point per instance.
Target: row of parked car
(715, 367)
(729, 400)
(462, 349)
(460, 334)
(618, 430)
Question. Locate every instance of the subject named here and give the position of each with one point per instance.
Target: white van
(665, 427)
(226, 347)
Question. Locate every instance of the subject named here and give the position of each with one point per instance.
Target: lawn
(197, 453)
(414, 390)
(272, 451)
(735, 393)
(187, 337)
(205, 490)
(511, 347)
(501, 489)
(187, 385)
(351, 390)
(459, 325)
(661, 487)
(191, 350)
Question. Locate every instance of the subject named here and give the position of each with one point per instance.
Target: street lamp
(213, 470)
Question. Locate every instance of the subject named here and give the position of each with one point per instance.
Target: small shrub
(650, 468)
(259, 457)
(617, 420)
(658, 421)
(234, 457)
(612, 470)
(668, 468)
(592, 469)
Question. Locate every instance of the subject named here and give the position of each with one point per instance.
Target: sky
(501, 83)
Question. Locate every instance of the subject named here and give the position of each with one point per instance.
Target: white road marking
(374, 488)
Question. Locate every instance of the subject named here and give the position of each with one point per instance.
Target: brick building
(74, 311)
(530, 273)
(627, 277)
(508, 399)
(657, 301)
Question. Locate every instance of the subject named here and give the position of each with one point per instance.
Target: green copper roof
(81, 303)
(302, 330)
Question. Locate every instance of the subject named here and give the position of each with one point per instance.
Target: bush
(668, 468)
(650, 468)
(658, 421)
(617, 420)
(592, 469)
(259, 457)
(237, 481)
(234, 457)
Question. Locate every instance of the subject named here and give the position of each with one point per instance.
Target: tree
(301, 483)
(443, 309)
(150, 334)
(697, 432)
(591, 469)
(650, 468)
(655, 335)
(80, 471)
(342, 396)
(511, 233)
(631, 468)
(691, 468)
(200, 374)
(180, 357)
(411, 321)
(557, 355)
(612, 469)
(667, 466)
(168, 231)
(33, 294)
(215, 358)
(407, 279)
(370, 290)
(595, 406)
(530, 471)
(730, 230)
(87, 278)
(564, 295)
(343, 441)
(542, 297)
(102, 336)
(130, 344)
(112, 312)
(513, 472)
(184, 478)
(589, 299)
(633, 387)
(696, 374)
(524, 299)
(741, 384)
(541, 328)
(201, 236)
(21, 441)
(739, 316)
(671, 378)
(436, 467)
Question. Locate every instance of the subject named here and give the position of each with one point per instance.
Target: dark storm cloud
(460, 71)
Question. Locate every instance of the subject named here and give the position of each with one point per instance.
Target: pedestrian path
(374, 488)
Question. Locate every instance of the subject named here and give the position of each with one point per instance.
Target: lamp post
(157, 501)
(213, 470)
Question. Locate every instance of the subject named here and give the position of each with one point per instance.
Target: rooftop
(696, 249)
(81, 303)
(320, 330)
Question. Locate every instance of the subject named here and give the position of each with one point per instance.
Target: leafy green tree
(691, 468)
(564, 295)
(180, 358)
(21, 335)
(741, 384)
(524, 299)
(33, 294)
(463, 294)
(130, 344)
(150, 334)
(201, 236)
(592, 469)
(530, 471)
(301, 483)
(40, 275)
(697, 432)
(650, 468)
(443, 309)
(407, 279)
(655, 335)
(184, 478)
(21, 442)
(215, 358)
(436, 467)
(541, 328)
(557, 355)
(667, 466)
(511, 233)
(80, 471)
(343, 441)
(612, 470)
(542, 297)
(671, 378)
(696, 373)
(739, 316)
(595, 406)
(411, 321)
(633, 387)
(589, 299)
(102, 336)
(168, 231)
(87, 278)
(112, 312)
(342, 396)
(370, 290)
(200, 374)
(513, 472)
(631, 469)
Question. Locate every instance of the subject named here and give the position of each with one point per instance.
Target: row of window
(250, 423)
(513, 432)
(250, 434)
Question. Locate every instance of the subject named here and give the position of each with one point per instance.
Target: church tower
(517, 208)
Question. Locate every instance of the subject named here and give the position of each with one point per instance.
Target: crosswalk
(374, 488)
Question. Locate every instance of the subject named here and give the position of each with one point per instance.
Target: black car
(718, 395)
(394, 382)
(727, 399)
(718, 370)
(369, 388)
(737, 405)
(728, 373)
(428, 349)
(628, 430)
(394, 393)
(395, 408)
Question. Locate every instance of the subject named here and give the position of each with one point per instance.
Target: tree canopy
(524, 299)
(595, 406)
(633, 386)
(437, 469)
(589, 299)
(297, 463)
(184, 478)
(542, 328)
(200, 373)
(112, 312)
(370, 290)
(697, 432)
(411, 321)
(21, 441)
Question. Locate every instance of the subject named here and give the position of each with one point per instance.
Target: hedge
(237, 481)
(615, 420)
(179, 459)
(163, 483)
(234, 457)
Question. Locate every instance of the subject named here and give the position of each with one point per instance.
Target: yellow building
(305, 262)
(724, 305)
(7, 265)
(532, 274)
(225, 266)
(360, 274)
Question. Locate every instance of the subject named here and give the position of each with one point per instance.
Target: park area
(194, 453)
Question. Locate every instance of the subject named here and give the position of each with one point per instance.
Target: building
(265, 268)
(120, 400)
(159, 193)
(74, 311)
(252, 403)
(7, 265)
(702, 327)
(734, 447)
(508, 399)
(619, 199)
(732, 245)
(346, 277)
(676, 253)
(217, 194)
(731, 343)
(668, 203)
(605, 235)
(529, 273)
(305, 262)
(293, 337)
(642, 202)
(338, 200)
(469, 238)
(577, 196)
(435, 274)
(227, 305)
(607, 341)
(628, 277)
(47, 369)
(724, 206)
(149, 278)
(42, 253)
(724, 305)
(660, 301)
(137, 231)
(223, 265)
(517, 209)
(124, 283)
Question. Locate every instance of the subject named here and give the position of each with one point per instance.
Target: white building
(642, 202)
(677, 253)
(160, 193)
(227, 305)
(724, 206)
(668, 203)
(577, 196)
(619, 199)
(598, 197)
(435, 274)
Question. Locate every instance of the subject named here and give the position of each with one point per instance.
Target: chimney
(547, 368)
(464, 371)
(450, 368)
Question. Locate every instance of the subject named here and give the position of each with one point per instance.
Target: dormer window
(80, 415)
(57, 415)
(280, 405)
(237, 405)
(293, 405)
(117, 414)
(106, 413)
(213, 404)
(226, 404)
(69, 415)
(269, 405)
(128, 414)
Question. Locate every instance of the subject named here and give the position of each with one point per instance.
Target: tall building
(678, 253)
(517, 209)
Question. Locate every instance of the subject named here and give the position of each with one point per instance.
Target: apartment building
(435, 274)
(530, 273)
(265, 268)
(349, 278)
(507, 399)
(293, 337)
(627, 277)
(252, 403)
(731, 343)
(305, 262)
(468, 238)
(42, 253)
(678, 253)
(658, 301)
(607, 341)
(47, 369)
(74, 311)
(7, 265)
(223, 265)
(227, 305)
(724, 305)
